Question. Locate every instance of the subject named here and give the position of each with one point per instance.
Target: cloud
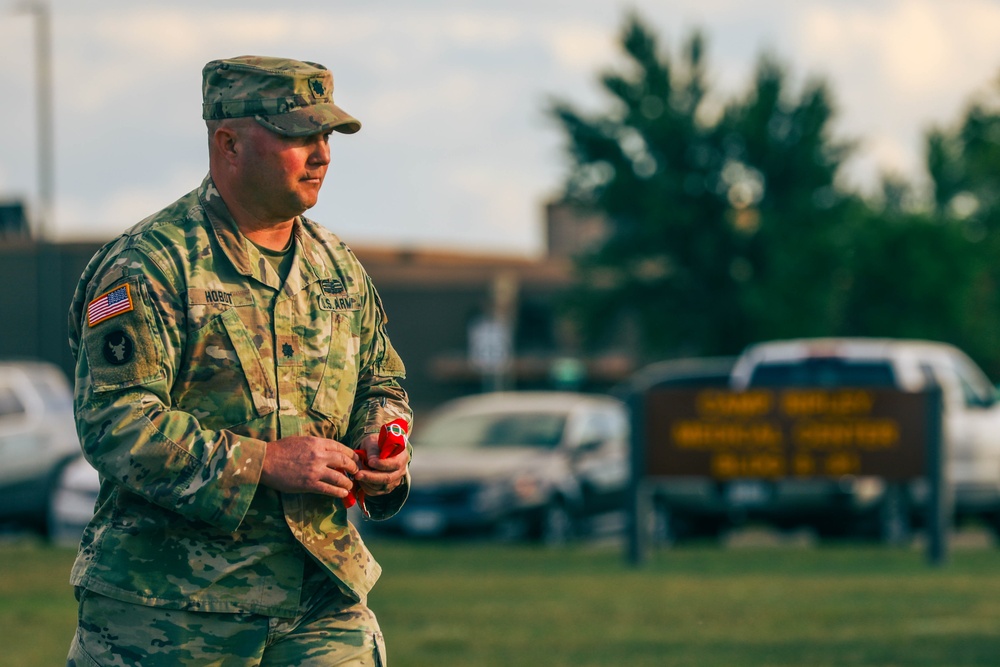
(583, 47)
(115, 209)
(899, 65)
(452, 94)
(910, 46)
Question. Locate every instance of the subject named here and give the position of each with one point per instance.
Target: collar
(307, 267)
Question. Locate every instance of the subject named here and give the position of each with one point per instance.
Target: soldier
(230, 355)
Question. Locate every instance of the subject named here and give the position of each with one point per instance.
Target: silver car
(37, 441)
(523, 465)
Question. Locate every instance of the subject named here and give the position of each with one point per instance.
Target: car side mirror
(589, 446)
(990, 401)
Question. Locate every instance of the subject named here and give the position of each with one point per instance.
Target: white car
(535, 465)
(73, 501)
(37, 440)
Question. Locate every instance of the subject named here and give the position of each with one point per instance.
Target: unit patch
(110, 304)
(118, 348)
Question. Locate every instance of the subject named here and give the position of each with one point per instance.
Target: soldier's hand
(305, 464)
(382, 475)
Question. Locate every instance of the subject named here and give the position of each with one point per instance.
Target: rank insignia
(110, 304)
(332, 286)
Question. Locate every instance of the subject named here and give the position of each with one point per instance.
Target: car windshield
(527, 429)
(824, 372)
(53, 392)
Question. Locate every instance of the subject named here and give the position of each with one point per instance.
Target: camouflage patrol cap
(290, 97)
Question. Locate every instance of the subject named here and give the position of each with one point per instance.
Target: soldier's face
(283, 175)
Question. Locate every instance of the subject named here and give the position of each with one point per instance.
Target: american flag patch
(115, 302)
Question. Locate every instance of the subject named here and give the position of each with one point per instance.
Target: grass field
(456, 604)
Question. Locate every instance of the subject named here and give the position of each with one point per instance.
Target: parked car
(37, 440)
(73, 501)
(536, 465)
(862, 505)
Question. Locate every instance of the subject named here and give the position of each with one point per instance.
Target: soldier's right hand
(306, 464)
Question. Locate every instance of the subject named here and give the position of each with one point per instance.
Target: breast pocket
(335, 392)
(224, 383)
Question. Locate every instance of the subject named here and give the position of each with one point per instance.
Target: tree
(929, 271)
(725, 228)
(915, 276)
(964, 165)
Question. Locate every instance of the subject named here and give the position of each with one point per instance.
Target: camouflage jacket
(191, 355)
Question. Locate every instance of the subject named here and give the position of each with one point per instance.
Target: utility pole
(44, 116)
(50, 332)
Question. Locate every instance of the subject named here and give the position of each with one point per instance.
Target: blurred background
(550, 196)
(583, 187)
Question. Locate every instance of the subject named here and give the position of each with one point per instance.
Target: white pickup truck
(971, 416)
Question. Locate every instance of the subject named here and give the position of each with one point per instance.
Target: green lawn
(466, 605)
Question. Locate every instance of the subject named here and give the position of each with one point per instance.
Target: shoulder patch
(110, 304)
(118, 348)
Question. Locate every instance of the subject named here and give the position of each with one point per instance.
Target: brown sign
(781, 433)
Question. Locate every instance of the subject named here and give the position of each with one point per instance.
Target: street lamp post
(43, 110)
(50, 326)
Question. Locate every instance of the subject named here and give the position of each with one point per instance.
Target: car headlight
(522, 489)
(864, 489)
(527, 488)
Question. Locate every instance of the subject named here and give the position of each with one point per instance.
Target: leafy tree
(964, 165)
(915, 276)
(802, 238)
(930, 272)
(725, 227)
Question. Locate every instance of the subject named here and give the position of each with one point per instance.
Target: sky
(456, 149)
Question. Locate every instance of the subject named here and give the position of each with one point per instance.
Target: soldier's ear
(225, 141)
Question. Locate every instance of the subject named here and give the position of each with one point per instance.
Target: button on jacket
(191, 355)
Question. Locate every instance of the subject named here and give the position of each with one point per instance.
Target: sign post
(638, 500)
(939, 504)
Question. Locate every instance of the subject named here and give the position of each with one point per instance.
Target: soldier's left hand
(381, 476)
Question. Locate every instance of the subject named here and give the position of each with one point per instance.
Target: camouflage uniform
(330, 630)
(191, 355)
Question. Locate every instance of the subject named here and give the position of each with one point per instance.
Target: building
(463, 322)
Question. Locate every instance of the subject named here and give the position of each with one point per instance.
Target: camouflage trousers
(331, 629)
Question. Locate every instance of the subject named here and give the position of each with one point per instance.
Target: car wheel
(834, 528)
(889, 523)
(669, 528)
(894, 526)
(993, 523)
(512, 529)
(556, 526)
(662, 526)
(53, 528)
(50, 526)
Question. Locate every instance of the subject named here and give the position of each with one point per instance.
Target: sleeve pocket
(124, 349)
